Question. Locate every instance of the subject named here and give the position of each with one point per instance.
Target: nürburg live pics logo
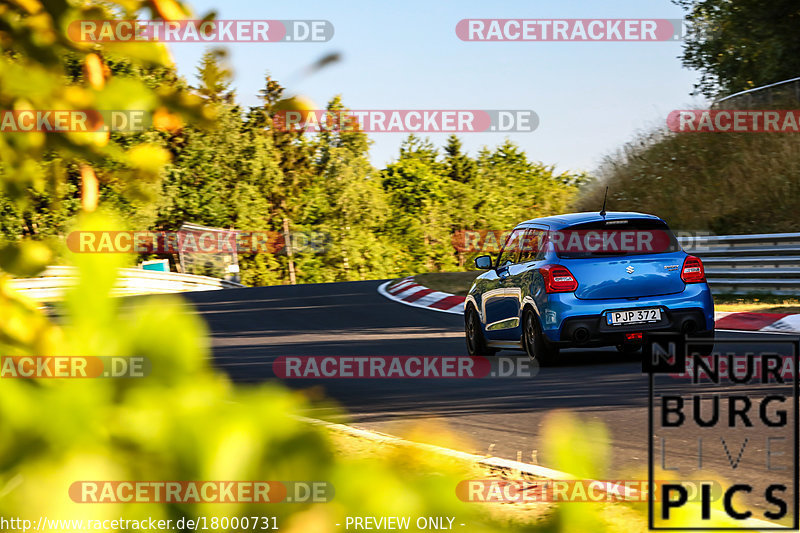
(724, 410)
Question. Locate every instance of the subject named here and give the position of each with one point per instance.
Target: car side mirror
(484, 262)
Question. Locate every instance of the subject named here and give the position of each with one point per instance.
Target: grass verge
(453, 282)
(756, 303)
(617, 516)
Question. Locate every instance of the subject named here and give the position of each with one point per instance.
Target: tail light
(692, 271)
(558, 278)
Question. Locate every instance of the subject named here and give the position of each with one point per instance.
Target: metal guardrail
(54, 280)
(737, 264)
(781, 94)
(742, 264)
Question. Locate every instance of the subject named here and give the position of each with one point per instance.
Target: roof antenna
(603, 211)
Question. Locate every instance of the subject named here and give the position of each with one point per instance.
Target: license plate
(633, 316)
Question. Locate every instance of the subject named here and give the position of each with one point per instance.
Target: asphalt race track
(252, 327)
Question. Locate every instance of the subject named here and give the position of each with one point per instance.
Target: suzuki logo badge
(629, 269)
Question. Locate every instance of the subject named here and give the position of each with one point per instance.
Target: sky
(591, 97)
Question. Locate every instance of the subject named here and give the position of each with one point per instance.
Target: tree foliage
(741, 44)
(207, 160)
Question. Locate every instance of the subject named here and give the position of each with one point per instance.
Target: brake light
(558, 279)
(692, 271)
(633, 336)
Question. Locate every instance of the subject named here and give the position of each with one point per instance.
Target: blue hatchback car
(586, 279)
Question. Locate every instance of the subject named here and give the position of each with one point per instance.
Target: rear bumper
(566, 320)
(594, 331)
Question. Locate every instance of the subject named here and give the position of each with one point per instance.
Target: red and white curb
(406, 291)
(766, 322)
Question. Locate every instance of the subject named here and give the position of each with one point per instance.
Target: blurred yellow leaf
(121, 94)
(576, 445)
(94, 70)
(31, 6)
(25, 258)
(166, 121)
(148, 157)
(169, 9)
(296, 103)
(89, 189)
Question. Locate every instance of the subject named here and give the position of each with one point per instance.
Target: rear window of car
(613, 238)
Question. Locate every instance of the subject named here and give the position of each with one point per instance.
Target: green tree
(741, 44)
(459, 165)
(346, 202)
(419, 190)
(214, 77)
(515, 188)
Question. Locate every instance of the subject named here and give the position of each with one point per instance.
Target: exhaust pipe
(580, 336)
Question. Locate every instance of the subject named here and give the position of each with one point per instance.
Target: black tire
(476, 342)
(536, 346)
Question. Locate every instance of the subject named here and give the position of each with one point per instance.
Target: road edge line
(493, 462)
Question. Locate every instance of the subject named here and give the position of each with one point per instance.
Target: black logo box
(677, 364)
